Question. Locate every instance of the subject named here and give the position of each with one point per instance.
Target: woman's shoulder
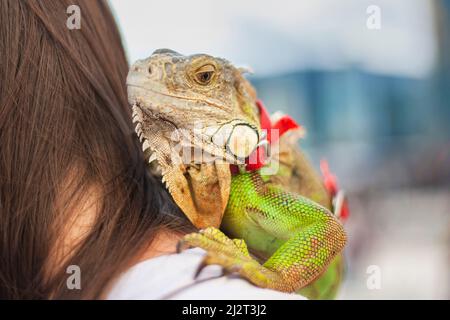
(173, 277)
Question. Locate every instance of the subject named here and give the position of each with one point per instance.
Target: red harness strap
(282, 125)
(331, 184)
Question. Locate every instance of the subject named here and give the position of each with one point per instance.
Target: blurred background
(370, 81)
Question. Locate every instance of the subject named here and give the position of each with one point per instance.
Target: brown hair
(65, 130)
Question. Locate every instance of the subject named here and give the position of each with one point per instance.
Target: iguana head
(204, 95)
(201, 103)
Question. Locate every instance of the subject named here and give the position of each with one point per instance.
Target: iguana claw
(233, 256)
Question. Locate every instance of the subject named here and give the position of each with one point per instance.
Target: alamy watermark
(73, 22)
(373, 21)
(373, 281)
(193, 146)
(73, 282)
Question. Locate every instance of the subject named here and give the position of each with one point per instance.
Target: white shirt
(172, 277)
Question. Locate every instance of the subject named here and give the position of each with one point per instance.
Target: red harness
(282, 125)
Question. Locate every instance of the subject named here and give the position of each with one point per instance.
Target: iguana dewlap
(196, 115)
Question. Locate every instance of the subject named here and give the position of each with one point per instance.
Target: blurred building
(362, 119)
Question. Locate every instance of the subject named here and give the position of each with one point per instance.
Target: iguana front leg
(233, 256)
(303, 236)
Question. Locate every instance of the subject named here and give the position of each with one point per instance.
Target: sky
(274, 37)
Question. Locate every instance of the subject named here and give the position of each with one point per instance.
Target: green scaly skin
(295, 237)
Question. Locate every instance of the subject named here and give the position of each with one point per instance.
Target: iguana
(277, 230)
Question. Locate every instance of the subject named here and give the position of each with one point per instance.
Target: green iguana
(196, 117)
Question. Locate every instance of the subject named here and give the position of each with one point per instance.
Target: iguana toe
(233, 256)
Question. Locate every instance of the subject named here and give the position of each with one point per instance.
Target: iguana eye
(204, 74)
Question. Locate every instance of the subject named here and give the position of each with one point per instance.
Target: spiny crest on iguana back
(188, 104)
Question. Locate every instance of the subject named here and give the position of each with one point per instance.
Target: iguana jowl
(204, 103)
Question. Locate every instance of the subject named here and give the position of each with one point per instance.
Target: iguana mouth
(235, 138)
(208, 102)
(151, 115)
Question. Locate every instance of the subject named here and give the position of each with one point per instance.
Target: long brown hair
(65, 130)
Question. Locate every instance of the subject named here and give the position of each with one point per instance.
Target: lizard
(275, 231)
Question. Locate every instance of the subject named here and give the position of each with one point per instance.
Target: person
(75, 193)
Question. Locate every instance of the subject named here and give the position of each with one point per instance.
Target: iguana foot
(233, 256)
